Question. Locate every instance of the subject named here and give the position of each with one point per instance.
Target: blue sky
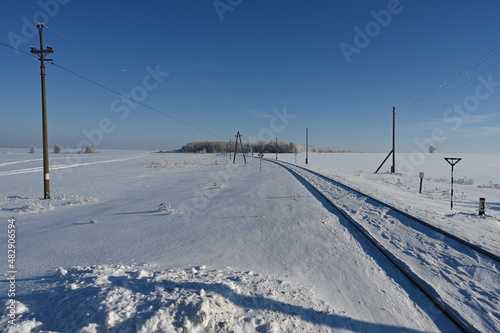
(265, 68)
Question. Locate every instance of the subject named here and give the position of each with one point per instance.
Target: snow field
(476, 176)
(136, 299)
(447, 267)
(226, 216)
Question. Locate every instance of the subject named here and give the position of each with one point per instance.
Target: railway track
(459, 277)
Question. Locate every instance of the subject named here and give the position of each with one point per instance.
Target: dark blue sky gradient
(242, 72)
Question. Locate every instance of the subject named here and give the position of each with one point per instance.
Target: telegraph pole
(393, 151)
(42, 54)
(307, 145)
(242, 149)
(393, 169)
(238, 136)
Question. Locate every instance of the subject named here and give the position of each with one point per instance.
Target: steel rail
(447, 310)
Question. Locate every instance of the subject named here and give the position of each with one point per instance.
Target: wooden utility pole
(307, 145)
(238, 136)
(393, 168)
(242, 149)
(393, 151)
(42, 54)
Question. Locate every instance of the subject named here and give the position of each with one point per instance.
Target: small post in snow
(421, 181)
(260, 158)
(482, 206)
(452, 161)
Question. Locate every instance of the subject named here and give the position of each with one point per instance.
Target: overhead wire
(19, 50)
(140, 103)
(456, 88)
(448, 83)
(466, 71)
(404, 108)
(186, 114)
(118, 93)
(177, 106)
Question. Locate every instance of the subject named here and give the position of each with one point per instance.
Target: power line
(460, 86)
(186, 113)
(11, 11)
(442, 86)
(455, 78)
(19, 50)
(121, 95)
(140, 103)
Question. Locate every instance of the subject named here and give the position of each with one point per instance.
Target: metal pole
(307, 145)
(452, 161)
(393, 169)
(42, 54)
(452, 186)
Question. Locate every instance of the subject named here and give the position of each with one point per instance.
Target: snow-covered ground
(475, 176)
(150, 242)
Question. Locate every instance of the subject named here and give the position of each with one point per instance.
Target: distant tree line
(282, 147)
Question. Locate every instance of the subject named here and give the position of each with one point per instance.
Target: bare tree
(90, 149)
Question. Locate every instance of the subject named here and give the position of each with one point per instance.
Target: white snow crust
(149, 242)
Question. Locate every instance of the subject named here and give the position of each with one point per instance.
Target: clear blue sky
(338, 67)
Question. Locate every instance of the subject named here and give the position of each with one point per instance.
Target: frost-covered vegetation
(282, 147)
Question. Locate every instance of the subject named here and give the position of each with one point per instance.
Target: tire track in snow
(66, 166)
(33, 160)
